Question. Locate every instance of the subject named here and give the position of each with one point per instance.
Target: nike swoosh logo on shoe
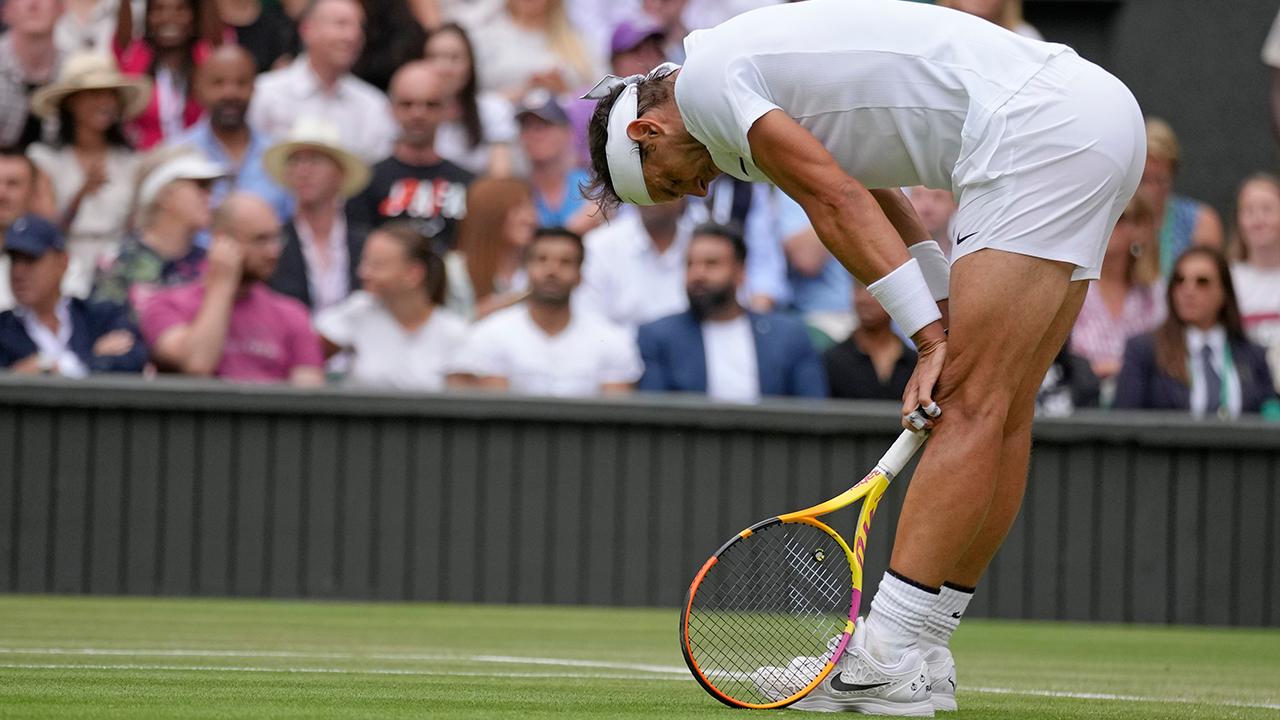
(842, 686)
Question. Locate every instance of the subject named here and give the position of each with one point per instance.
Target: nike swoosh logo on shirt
(966, 237)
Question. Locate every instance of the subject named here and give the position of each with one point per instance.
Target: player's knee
(974, 405)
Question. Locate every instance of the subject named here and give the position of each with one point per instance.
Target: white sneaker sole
(866, 706)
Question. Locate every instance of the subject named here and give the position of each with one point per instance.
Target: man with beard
(230, 325)
(543, 346)
(415, 183)
(719, 348)
(224, 86)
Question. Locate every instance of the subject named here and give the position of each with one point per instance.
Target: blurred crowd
(387, 193)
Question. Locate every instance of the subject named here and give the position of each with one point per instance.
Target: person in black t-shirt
(262, 29)
(415, 183)
(874, 363)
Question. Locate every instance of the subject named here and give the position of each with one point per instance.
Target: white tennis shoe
(942, 678)
(860, 683)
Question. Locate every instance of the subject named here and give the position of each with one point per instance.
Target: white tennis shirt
(900, 93)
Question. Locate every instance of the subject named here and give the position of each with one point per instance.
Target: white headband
(621, 152)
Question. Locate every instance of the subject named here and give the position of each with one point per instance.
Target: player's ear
(642, 129)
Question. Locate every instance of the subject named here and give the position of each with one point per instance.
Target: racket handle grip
(900, 452)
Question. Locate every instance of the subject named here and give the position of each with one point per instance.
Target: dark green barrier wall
(166, 488)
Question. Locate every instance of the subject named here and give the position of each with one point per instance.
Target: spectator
(322, 245)
(415, 183)
(262, 29)
(1005, 13)
(224, 85)
(393, 37)
(635, 270)
(1126, 301)
(320, 84)
(50, 333)
(1199, 359)
(543, 346)
(636, 47)
(477, 129)
(873, 363)
(230, 325)
(173, 209)
(400, 335)
(1181, 221)
(91, 164)
(1257, 273)
(547, 141)
(17, 198)
(29, 58)
(487, 271)
(718, 347)
(86, 25)
(170, 49)
(532, 46)
(757, 208)
(669, 17)
(935, 208)
(1068, 384)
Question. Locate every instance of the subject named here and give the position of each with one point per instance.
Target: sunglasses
(1200, 281)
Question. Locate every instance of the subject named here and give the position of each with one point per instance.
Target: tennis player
(839, 103)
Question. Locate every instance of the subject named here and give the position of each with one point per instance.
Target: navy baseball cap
(33, 235)
(541, 103)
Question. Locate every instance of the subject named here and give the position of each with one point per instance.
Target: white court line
(502, 659)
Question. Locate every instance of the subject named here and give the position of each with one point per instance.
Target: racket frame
(871, 487)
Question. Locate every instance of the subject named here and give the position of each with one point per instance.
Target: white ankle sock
(945, 616)
(897, 617)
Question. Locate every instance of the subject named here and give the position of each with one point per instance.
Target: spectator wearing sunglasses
(1198, 359)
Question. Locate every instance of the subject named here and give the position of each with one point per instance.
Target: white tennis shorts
(1052, 171)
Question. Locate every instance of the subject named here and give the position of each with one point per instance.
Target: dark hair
(559, 233)
(419, 248)
(1170, 337)
(467, 95)
(13, 152)
(67, 129)
(727, 232)
(599, 188)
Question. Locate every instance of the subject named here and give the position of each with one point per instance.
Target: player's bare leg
(1011, 481)
(1015, 455)
(1002, 306)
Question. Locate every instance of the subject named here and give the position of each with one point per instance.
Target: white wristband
(934, 265)
(905, 296)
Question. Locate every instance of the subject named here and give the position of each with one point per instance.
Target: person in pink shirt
(1128, 299)
(230, 325)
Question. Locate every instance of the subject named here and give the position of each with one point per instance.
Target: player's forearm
(895, 205)
(852, 226)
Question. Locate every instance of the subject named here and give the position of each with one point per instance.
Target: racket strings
(763, 621)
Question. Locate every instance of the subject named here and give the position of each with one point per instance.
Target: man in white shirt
(543, 346)
(839, 104)
(720, 348)
(320, 83)
(634, 272)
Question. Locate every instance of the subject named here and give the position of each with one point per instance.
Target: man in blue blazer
(51, 334)
(718, 347)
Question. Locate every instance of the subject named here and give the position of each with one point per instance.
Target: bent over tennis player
(839, 103)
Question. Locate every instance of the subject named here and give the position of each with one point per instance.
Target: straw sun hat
(92, 71)
(313, 133)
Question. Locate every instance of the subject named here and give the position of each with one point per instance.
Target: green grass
(255, 659)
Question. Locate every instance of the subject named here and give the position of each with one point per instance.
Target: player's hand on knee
(919, 411)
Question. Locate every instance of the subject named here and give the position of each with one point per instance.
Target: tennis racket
(769, 614)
